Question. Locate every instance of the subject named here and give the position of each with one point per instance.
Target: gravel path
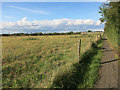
(108, 73)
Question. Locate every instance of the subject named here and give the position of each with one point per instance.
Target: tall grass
(82, 74)
(35, 61)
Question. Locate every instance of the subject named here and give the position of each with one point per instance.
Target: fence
(91, 41)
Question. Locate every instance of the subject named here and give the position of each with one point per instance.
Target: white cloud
(29, 10)
(97, 29)
(51, 25)
(24, 19)
(23, 22)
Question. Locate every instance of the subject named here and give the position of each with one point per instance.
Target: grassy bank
(82, 74)
(113, 42)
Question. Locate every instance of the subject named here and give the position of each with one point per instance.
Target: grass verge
(84, 73)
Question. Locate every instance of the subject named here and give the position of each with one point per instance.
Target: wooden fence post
(79, 50)
(96, 38)
(90, 41)
(100, 36)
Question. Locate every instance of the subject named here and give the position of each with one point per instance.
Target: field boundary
(97, 38)
(80, 76)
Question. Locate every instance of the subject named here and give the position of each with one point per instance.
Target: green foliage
(89, 31)
(40, 33)
(84, 73)
(111, 16)
(90, 36)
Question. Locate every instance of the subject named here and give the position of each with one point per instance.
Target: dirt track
(108, 73)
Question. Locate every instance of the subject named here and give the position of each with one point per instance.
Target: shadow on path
(109, 61)
(104, 39)
(76, 76)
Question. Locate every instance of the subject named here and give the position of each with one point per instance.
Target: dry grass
(34, 61)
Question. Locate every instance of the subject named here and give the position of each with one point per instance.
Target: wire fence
(85, 44)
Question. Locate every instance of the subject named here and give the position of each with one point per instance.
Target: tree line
(110, 13)
(40, 33)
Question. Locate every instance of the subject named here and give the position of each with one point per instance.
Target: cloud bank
(56, 25)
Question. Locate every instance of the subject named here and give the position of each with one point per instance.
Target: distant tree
(40, 33)
(78, 33)
(89, 31)
(70, 33)
(5, 34)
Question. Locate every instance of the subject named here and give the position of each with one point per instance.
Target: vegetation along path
(109, 68)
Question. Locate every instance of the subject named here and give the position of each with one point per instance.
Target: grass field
(36, 61)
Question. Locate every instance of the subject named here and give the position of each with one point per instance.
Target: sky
(57, 0)
(31, 17)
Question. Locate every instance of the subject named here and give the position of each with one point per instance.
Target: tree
(110, 13)
(89, 31)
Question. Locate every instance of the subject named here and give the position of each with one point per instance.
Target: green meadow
(50, 61)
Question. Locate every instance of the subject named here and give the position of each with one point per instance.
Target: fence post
(79, 50)
(96, 38)
(100, 36)
(90, 41)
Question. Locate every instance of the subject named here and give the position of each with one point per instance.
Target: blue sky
(68, 13)
(54, 10)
